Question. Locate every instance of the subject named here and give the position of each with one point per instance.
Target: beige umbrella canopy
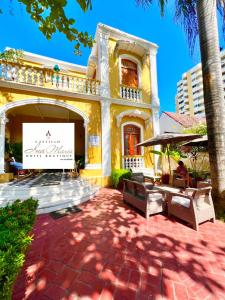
(202, 141)
(169, 138)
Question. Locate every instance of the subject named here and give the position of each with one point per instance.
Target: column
(155, 100)
(106, 140)
(103, 63)
(86, 141)
(3, 121)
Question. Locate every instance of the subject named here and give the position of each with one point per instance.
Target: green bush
(118, 175)
(16, 222)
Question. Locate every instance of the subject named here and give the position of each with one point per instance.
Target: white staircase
(51, 196)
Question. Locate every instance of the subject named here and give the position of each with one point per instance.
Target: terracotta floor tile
(110, 251)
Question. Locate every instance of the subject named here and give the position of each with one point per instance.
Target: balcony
(130, 93)
(133, 162)
(46, 78)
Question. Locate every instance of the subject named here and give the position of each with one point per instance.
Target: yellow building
(113, 101)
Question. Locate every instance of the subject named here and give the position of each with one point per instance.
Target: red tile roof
(185, 120)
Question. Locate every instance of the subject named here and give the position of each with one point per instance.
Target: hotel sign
(48, 145)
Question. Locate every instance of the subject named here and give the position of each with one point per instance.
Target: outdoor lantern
(56, 68)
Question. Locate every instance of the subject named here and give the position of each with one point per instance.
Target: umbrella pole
(167, 150)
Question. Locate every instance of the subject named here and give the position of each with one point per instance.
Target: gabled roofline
(114, 32)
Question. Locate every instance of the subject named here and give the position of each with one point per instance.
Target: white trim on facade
(41, 59)
(93, 166)
(122, 134)
(133, 113)
(117, 34)
(136, 61)
(106, 138)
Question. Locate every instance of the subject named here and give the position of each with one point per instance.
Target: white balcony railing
(130, 93)
(133, 162)
(48, 79)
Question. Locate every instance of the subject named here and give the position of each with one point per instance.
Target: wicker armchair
(194, 207)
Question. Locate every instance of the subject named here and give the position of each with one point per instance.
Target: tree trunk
(213, 96)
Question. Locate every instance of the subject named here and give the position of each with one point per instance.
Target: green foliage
(15, 149)
(199, 129)
(80, 161)
(12, 55)
(118, 175)
(175, 154)
(16, 222)
(51, 18)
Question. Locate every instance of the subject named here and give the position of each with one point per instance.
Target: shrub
(16, 222)
(118, 175)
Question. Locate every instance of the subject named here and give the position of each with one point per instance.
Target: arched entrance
(13, 114)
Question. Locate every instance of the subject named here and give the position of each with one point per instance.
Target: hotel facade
(113, 102)
(189, 97)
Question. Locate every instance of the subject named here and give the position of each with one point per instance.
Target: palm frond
(186, 15)
(147, 3)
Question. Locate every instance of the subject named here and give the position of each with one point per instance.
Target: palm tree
(199, 17)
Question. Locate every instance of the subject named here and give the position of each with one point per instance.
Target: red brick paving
(109, 251)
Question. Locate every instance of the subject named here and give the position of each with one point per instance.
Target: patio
(109, 251)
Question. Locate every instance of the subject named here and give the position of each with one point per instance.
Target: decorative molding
(11, 105)
(117, 34)
(103, 63)
(44, 90)
(133, 113)
(93, 166)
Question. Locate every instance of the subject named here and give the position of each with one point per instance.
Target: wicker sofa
(147, 200)
(194, 207)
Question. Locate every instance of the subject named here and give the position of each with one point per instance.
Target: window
(129, 73)
(132, 135)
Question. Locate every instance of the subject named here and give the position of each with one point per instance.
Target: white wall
(168, 124)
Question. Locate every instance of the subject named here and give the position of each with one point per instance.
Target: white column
(106, 138)
(3, 121)
(103, 63)
(86, 141)
(155, 99)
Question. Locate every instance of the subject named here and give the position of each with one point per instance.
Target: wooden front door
(131, 139)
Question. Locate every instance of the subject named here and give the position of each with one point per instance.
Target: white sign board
(48, 145)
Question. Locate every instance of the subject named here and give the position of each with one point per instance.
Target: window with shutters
(129, 73)
(132, 136)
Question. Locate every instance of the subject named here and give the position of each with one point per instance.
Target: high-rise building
(189, 97)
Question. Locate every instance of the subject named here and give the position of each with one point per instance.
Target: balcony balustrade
(133, 162)
(48, 79)
(131, 93)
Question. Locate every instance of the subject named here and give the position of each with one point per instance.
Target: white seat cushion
(155, 196)
(181, 200)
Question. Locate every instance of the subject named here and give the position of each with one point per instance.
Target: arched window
(132, 136)
(129, 73)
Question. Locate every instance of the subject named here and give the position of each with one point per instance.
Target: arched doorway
(41, 111)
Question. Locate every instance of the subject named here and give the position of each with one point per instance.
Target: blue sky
(19, 31)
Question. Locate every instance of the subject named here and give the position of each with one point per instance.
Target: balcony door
(132, 136)
(129, 74)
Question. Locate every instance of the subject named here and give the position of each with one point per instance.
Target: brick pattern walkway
(109, 251)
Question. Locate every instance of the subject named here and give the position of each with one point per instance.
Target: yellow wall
(92, 109)
(114, 72)
(116, 134)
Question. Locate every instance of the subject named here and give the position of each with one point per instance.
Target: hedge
(16, 222)
(118, 174)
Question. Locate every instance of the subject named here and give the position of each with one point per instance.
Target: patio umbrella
(169, 138)
(202, 141)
